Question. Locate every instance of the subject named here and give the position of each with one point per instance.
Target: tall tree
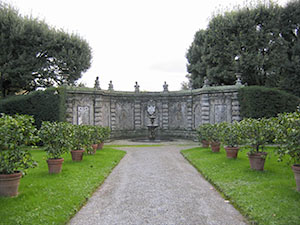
(248, 41)
(290, 27)
(196, 67)
(34, 55)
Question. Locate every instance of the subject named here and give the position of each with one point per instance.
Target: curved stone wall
(177, 113)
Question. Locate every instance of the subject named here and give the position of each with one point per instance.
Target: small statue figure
(137, 87)
(238, 79)
(110, 86)
(97, 84)
(165, 86)
(206, 82)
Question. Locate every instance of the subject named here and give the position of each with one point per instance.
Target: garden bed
(54, 199)
(268, 197)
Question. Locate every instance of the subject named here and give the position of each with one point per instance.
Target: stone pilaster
(113, 114)
(205, 109)
(98, 111)
(235, 107)
(190, 112)
(165, 114)
(69, 109)
(137, 114)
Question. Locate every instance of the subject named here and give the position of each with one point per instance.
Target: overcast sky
(131, 40)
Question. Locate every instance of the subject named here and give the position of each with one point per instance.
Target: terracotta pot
(296, 170)
(257, 160)
(205, 144)
(54, 165)
(231, 152)
(100, 145)
(77, 155)
(215, 146)
(9, 184)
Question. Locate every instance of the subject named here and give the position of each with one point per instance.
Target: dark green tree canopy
(260, 42)
(35, 55)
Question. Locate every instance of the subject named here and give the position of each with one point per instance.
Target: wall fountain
(151, 110)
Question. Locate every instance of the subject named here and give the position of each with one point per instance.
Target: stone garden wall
(177, 114)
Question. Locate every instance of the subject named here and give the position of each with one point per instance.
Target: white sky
(131, 40)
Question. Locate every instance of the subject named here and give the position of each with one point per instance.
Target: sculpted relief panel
(197, 116)
(105, 114)
(178, 115)
(83, 115)
(124, 116)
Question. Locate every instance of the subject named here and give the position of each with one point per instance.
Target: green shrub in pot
(15, 131)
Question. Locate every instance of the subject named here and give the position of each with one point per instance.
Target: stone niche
(177, 113)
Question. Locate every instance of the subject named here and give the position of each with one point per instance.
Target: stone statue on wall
(110, 86)
(165, 86)
(137, 87)
(97, 84)
(206, 82)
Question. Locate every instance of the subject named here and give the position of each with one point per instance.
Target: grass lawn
(54, 199)
(268, 197)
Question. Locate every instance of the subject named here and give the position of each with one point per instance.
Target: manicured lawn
(268, 197)
(54, 199)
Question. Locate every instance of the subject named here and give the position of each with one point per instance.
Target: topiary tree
(33, 55)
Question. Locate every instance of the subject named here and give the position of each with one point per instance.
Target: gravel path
(156, 185)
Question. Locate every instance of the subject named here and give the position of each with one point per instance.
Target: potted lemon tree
(15, 131)
(257, 133)
(56, 137)
(287, 130)
(214, 136)
(231, 138)
(80, 140)
(104, 135)
(203, 135)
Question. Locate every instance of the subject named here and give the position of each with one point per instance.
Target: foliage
(56, 137)
(287, 130)
(290, 20)
(46, 199)
(16, 131)
(35, 55)
(258, 102)
(231, 134)
(203, 132)
(105, 134)
(80, 136)
(257, 133)
(209, 132)
(259, 41)
(47, 105)
(251, 192)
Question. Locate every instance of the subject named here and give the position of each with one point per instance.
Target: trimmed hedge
(257, 102)
(47, 105)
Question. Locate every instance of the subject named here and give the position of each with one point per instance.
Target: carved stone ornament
(151, 108)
